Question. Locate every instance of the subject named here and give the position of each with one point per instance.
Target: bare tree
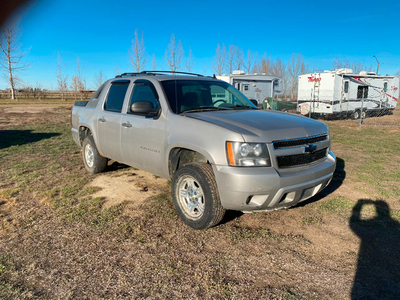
(78, 83)
(39, 92)
(138, 53)
(340, 64)
(239, 58)
(278, 68)
(174, 54)
(264, 66)
(219, 59)
(117, 71)
(231, 58)
(295, 67)
(61, 79)
(250, 59)
(355, 66)
(205, 70)
(190, 61)
(98, 79)
(12, 56)
(154, 63)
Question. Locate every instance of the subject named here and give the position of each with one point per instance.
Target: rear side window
(95, 98)
(116, 96)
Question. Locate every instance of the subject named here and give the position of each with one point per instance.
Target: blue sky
(100, 33)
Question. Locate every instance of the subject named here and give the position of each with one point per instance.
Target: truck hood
(263, 126)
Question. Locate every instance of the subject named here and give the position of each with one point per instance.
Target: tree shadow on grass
(378, 266)
(9, 138)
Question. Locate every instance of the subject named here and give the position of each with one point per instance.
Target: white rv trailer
(342, 92)
(255, 86)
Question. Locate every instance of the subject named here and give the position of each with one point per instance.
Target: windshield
(200, 95)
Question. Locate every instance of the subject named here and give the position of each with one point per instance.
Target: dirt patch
(131, 186)
(15, 115)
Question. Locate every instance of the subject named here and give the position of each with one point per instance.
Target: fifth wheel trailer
(255, 86)
(345, 93)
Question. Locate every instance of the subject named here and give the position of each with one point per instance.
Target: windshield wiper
(205, 108)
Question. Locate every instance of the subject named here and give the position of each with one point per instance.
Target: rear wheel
(93, 161)
(196, 197)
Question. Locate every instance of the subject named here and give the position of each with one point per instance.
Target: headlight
(247, 154)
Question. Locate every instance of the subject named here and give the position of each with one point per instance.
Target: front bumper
(259, 189)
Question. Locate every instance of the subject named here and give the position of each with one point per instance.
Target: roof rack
(156, 73)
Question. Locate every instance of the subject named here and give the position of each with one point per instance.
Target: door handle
(127, 125)
(102, 120)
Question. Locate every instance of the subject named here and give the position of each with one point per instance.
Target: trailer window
(362, 92)
(385, 84)
(346, 86)
(246, 87)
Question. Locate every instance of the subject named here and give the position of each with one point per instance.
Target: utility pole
(377, 69)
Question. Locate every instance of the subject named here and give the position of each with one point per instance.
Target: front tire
(93, 161)
(195, 195)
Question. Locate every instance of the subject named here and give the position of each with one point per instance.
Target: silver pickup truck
(220, 151)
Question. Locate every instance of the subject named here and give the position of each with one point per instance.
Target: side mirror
(254, 101)
(144, 108)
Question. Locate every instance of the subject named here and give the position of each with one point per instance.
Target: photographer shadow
(378, 266)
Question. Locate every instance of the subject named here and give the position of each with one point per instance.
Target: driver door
(142, 136)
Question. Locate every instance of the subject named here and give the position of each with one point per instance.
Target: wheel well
(181, 156)
(83, 133)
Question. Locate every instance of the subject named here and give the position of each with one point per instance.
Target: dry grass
(58, 241)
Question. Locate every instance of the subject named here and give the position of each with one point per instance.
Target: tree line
(225, 60)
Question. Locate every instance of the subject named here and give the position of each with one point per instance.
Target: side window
(385, 84)
(98, 92)
(116, 95)
(362, 92)
(346, 86)
(144, 92)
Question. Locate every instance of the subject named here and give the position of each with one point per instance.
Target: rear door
(109, 120)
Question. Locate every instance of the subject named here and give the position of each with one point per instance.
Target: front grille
(299, 142)
(300, 159)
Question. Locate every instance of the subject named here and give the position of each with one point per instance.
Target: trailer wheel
(356, 114)
(364, 114)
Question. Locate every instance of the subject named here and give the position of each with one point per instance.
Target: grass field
(60, 240)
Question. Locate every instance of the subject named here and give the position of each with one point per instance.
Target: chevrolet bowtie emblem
(310, 148)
